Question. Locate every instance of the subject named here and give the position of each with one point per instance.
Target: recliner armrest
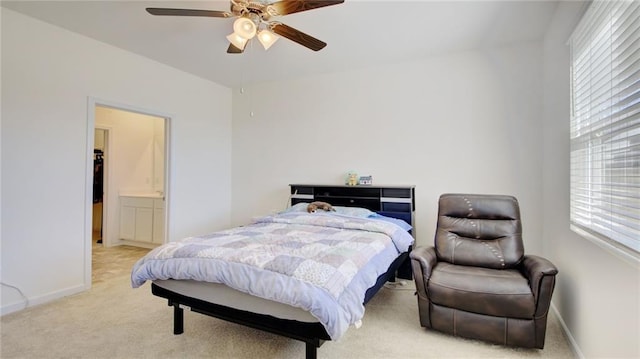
(535, 267)
(423, 259)
(427, 258)
(541, 275)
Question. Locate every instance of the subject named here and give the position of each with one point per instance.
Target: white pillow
(353, 211)
(347, 211)
(298, 207)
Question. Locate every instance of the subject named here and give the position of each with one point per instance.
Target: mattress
(223, 295)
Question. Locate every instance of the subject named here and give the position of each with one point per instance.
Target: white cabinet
(142, 219)
(127, 221)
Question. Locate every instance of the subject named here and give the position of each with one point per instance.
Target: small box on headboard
(365, 180)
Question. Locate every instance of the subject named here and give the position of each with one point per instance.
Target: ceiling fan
(254, 19)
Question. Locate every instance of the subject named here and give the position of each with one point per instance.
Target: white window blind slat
(605, 122)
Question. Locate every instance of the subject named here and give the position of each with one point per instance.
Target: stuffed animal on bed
(314, 206)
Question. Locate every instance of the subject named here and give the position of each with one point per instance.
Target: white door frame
(92, 103)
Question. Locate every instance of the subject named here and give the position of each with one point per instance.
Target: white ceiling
(359, 33)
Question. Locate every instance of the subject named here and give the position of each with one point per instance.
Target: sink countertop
(142, 194)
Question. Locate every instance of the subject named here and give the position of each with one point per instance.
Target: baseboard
(567, 333)
(42, 299)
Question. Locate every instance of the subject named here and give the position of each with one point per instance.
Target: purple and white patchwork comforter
(320, 262)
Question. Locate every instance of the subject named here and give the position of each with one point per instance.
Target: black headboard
(391, 201)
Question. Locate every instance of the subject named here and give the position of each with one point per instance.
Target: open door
(133, 207)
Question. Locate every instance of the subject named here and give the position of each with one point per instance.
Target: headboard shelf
(392, 201)
(394, 194)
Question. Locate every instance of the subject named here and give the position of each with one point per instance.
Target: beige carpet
(112, 320)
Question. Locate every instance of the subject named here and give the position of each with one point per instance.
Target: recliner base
(499, 330)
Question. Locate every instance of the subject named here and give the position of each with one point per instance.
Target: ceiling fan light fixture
(267, 38)
(237, 41)
(253, 17)
(244, 27)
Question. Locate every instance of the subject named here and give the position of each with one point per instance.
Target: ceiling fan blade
(232, 49)
(298, 36)
(187, 12)
(286, 7)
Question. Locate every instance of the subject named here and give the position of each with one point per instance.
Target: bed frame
(391, 201)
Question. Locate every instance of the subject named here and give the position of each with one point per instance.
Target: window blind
(605, 122)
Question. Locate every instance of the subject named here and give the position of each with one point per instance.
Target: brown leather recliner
(476, 282)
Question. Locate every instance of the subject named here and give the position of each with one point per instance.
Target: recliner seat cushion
(496, 292)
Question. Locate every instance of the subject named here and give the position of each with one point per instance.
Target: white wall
(464, 122)
(597, 292)
(48, 74)
(132, 138)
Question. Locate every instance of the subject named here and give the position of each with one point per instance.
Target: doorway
(128, 156)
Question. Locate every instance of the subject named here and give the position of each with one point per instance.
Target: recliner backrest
(479, 230)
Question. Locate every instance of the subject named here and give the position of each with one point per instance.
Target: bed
(363, 244)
